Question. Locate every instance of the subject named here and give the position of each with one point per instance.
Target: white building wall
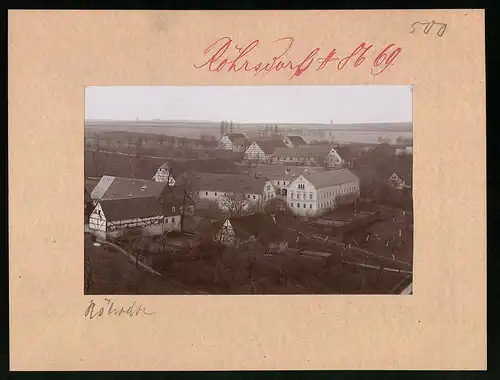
(97, 219)
(255, 153)
(310, 201)
(225, 143)
(218, 197)
(334, 158)
(302, 197)
(163, 175)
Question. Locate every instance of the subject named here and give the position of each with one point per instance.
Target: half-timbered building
(258, 229)
(148, 215)
(237, 142)
(262, 151)
(323, 155)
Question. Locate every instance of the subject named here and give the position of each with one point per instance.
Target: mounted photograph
(248, 190)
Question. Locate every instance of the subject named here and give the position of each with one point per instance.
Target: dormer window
(173, 209)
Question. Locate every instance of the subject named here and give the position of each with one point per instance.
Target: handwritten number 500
(428, 27)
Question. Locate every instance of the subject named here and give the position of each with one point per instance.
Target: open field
(364, 133)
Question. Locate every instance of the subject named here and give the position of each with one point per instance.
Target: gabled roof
(238, 138)
(405, 176)
(330, 177)
(236, 135)
(227, 183)
(277, 171)
(345, 153)
(131, 208)
(117, 187)
(269, 146)
(199, 225)
(305, 151)
(297, 140)
(260, 225)
(102, 186)
(202, 165)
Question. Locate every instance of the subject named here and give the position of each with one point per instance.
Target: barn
(147, 215)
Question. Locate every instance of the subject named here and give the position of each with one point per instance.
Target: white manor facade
(315, 194)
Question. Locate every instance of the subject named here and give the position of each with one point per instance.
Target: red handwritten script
(224, 55)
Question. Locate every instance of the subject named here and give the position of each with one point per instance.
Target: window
(173, 209)
(254, 197)
(298, 204)
(215, 194)
(310, 205)
(291, 194)
(206, 193)
(248, 196)
(173, 220)
(304, 205)
(278, 182)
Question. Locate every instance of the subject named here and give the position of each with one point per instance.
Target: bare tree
(189, 194)
(323, 161)
(234, 204)
(383, 140)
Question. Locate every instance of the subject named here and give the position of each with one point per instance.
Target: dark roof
(199, 226)
(110, 187)
(297, 140)
(269, 146)
(236, 136)
(345, 152)
(330, 177)
(278, 171)
(238, 139)
(131, 208)
(228, 183)
(202, 165)
(260, 225)
(304, 151)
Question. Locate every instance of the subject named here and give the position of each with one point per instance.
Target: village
(262, 213)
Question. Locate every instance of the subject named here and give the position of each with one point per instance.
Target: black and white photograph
(248, 190)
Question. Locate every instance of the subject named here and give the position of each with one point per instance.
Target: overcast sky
(258, 104)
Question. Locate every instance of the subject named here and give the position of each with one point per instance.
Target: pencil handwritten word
(109, 309)
(429, 26)
(220, 58)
